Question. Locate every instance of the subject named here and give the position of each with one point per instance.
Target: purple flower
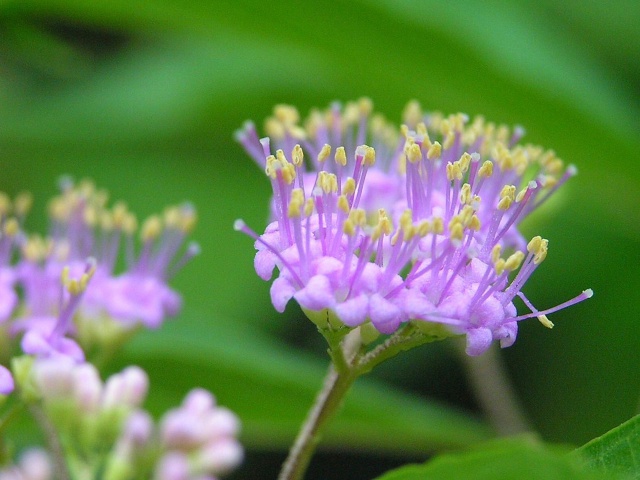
(82, 226)
(413, 229)
(46, 336)
(6, 381)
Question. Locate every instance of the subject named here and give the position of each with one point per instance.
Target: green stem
(494, 391)
(405, 339)
(348, 362)
(327, 404)
(60, 468)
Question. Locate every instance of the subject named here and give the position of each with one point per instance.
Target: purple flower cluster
(72, 299)
(371, 224)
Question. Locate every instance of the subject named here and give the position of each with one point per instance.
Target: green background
(144, 98)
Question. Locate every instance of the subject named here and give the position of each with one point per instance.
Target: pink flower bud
(220, 457)
(87, 387)
(54, 377)
(172, 466)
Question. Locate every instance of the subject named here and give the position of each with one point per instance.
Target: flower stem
(328, 402)
(60, 468)
(494, 391)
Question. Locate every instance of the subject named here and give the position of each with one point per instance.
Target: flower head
(421, 225)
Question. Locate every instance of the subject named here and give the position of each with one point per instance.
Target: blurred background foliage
(144, 98)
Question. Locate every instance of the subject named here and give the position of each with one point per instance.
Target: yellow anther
(546, 157)
(453, 171)
(438, 226)
(456, 219)
(465, 214)
(351, 113)
(514, 261)
(406, 224)
(548, 181)
(369, 155)
(486, 170)
(456, 231)
(545, 321)
(86, 188)
(508, 191)
(469, 137)
(412, 113)
(297, 156)
(281, 157)
(289, 173)
(272, 166)
(341, 156)
(349, 187)
(325, 152)
(474, 223)
(34, 249)
(365, 106)
(541, 254)
(64, 277)
(151, 228)
(502, 133)
(119, 213)
(343, 203)
(423, 228)
(434, 151)
(445, 127)
(534, 244)
(11, 227)
(554, 167)
(448, 141)
(520, 160)
(22, 204)
(421, 129)
(533, 152)
(5, 203)
(507, 196)
(187, 218)
(296, 202)
(413, 153)
(465, 160)
(90, 216)
(172, 217)
(499, 266)
(404, 131)
(504, 203)
(72, 285)
(507, 162)
(309, 205)
(349, 228)
(100, 198)
(495, 253)
(465, 194)
(383, 227)
(358, 217)
(77, 286)
(328, 182)
(106, 221)
(286, 114)
(129, 224)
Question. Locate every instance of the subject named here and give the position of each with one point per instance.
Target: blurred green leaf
(271, 388)
(517, 459)
(617, 451)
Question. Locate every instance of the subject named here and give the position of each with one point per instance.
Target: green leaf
(618, 450)
(515, 458)
(271, 387)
